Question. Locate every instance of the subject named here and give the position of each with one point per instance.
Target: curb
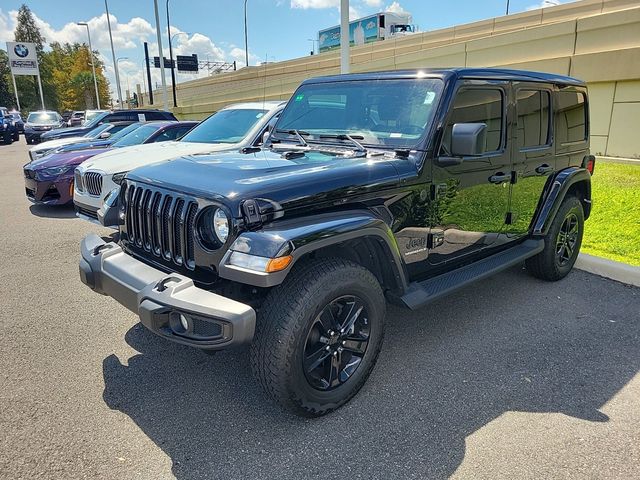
(618, 271)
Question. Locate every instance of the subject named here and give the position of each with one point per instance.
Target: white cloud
(373, 3)
(544, 4)
(128, 39)
(305, 4)
(395, 7)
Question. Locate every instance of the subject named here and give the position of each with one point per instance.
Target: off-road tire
(546, 264)
(285, 320)
(16, 137)
(7, 138)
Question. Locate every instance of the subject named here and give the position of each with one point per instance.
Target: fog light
(184, 322)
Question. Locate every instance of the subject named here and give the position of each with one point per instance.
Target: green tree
(7, 98)
(27, 31)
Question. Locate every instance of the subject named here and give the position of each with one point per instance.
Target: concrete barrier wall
(595, 40)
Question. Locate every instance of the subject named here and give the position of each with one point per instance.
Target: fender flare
(556, 194)
(300, 236)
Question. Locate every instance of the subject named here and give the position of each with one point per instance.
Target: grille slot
(93, 183)
(161, 224)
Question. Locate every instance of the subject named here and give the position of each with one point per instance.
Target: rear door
(533, 153)
(471, 199)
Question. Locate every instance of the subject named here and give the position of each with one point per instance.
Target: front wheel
(7, 138)
(561, 244)
(318, 336)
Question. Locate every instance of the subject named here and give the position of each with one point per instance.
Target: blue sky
(278, 29)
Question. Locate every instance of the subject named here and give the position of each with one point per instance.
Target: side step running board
(421, 293)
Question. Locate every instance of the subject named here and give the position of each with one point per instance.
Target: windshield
(125, 131)
(138, 136)
(225, 126)
(95, 120)
(91, 114)
(381, 113)
(97, 131)
(16, 116)
(42, 118)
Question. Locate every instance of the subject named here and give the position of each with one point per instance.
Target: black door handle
(500, 177)
(544, 168)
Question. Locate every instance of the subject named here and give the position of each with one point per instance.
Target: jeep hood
(310, 180)
(127, 158)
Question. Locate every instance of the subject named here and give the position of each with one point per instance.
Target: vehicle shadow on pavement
(52, 211)
(511, 343)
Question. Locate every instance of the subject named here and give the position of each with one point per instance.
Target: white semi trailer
(367, 29)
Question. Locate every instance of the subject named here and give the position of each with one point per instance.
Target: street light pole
(113, 54)
(246, 37)
(344, 36)
(93, 66)
(164, 80)
(173, 74)
(117, 62)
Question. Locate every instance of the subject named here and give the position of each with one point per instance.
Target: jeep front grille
(93, 183)
(161, 223)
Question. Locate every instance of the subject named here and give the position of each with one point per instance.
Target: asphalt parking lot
(510, 378)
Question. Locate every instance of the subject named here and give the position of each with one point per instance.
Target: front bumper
(165, 302)
(49, 192)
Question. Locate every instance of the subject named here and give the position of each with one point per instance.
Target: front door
(533, 153)
(471, 199)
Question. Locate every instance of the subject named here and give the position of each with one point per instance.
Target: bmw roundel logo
(21, 50)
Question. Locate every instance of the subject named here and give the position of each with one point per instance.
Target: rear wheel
(562, 243)
(319, 335)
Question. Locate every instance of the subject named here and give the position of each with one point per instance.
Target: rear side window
(571, 117)
(478, 105)
(533, 118)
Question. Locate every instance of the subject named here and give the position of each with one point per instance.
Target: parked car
(76, 119)
(101, 132)
(130, 116)
(235, 127)
(403, 185)
(91, 180)
(17, 121)
(8, 129)
(99, 142)
(40, 122)
(50, 180)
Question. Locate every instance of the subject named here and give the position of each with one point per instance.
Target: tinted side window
(478, 105)
(571, 117)
(533, 118)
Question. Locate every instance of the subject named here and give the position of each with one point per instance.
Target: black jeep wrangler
(396, 186)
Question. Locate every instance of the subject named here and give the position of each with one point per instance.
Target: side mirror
(468, 139)
(104, 135)
(265, 136)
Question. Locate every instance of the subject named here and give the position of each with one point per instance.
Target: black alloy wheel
(336, 343)
(567, 239)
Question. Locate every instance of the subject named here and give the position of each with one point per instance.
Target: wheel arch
(570, 181)
(358, 236)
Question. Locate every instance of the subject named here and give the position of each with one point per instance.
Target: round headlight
(221, 225)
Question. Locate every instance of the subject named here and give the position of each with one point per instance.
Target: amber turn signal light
(277, 264)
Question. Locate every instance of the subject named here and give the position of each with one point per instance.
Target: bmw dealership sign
(22, 58)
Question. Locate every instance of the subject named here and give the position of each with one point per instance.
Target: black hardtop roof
(449, 73)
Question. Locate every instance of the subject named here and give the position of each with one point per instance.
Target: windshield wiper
(352, 138)
(297, 133)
